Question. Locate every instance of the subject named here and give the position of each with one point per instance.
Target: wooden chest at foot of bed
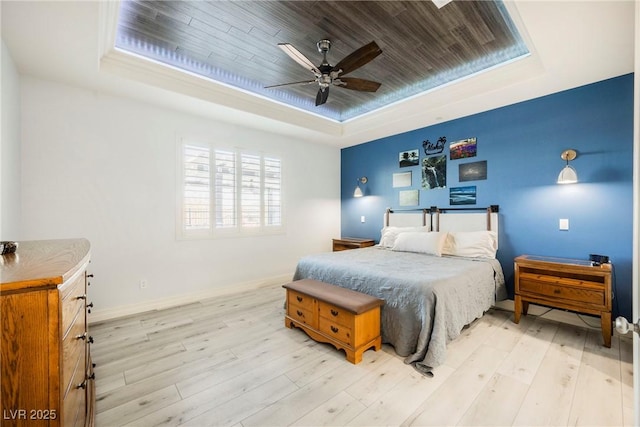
(347, 319)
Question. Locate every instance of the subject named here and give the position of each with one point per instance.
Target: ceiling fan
(327, 74)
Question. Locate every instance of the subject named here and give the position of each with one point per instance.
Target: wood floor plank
(383, 378)
(473, 336)
(550, 396)
(337, 411)
(497, 404)
(251, 402)
(138, 407)
(523, 362)
(323, 388)
(453, 398)
(395, 406)
(599, 370)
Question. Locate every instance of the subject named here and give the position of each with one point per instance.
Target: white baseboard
(174, 301)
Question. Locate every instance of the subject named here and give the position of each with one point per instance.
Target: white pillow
(389, 234)
(473, 244)
(426, 243)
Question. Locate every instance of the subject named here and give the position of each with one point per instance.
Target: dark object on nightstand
(8, 247)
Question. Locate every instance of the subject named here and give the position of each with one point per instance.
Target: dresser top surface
(42, 263)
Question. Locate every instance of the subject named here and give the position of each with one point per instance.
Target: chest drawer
(335, 330)
(335, 314)
(540, 286)
(301, 300)
(302, 315)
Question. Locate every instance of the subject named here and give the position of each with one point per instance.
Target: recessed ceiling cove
(237, 43)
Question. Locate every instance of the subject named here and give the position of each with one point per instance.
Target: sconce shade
(358, 191)
(568, 175)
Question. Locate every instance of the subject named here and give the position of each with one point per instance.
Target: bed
(435, 269)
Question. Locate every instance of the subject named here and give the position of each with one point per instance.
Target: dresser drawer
(74, 402)
(301, 300)
(73, 351)
(336, 331)
(302, 315)
(335, 314)
(72, 300)
(538, 285)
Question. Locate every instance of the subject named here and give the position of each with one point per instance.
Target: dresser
(47, 374)
(568, 284)
(347, 319)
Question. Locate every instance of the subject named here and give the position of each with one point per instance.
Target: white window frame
(212, 230)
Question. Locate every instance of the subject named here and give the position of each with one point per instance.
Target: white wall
(103, 167)
(10, 228)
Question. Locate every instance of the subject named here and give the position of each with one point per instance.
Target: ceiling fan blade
(297, 56)
(355, 83)
(322, 96)
(358, 58)
(304, 82)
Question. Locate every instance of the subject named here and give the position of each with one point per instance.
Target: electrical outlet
(144, 284)
(362, 218)
(564, 224)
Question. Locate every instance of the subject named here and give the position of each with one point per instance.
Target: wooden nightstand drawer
(549, 286)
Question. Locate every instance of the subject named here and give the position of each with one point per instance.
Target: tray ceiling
(236, 43)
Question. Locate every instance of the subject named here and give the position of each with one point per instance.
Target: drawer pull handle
(334, 329)
(334, 312)
(301, 314)
(81, 337)
(299, 299)
(89, 307)
(83, 384)
(82, 296)
(92, 376)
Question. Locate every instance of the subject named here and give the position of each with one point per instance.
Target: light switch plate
(564, 223)
(362, 218)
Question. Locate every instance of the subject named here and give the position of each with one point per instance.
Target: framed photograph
(434, 172)
(409, 158)
(462, 195)
(409, 198)
(475, 171)
(463, 149)
(402, 179)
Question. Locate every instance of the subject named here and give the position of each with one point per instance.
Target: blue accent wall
(522, 144)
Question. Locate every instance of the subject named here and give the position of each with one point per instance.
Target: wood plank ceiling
(236, 42)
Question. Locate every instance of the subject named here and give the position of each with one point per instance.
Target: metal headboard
(431, 216)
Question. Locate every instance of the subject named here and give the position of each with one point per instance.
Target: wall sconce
(568, 174)
(358, 191)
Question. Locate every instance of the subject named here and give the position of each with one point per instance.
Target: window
(227, 192)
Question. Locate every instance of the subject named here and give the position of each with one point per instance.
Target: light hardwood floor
(231, 361)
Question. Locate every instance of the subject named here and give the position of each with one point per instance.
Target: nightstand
(351, 243)
(568, 284)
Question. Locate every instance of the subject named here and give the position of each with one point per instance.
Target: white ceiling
(572, 43)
